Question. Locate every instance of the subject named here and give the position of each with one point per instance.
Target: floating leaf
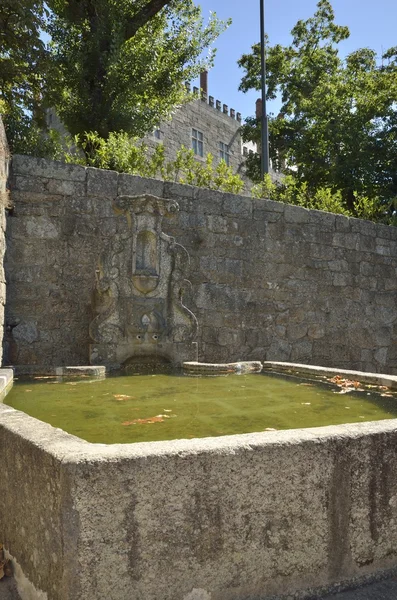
(122, 397)
(156, 419)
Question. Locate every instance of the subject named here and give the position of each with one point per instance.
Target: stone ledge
(6, 381)
(198, 368)
(374, 378)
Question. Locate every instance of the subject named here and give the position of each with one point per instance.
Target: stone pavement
(382, 590)
(8, 590)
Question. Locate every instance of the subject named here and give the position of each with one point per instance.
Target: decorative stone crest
(139, 284)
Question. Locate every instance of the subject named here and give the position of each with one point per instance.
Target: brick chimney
(204, 82)
(258, 108)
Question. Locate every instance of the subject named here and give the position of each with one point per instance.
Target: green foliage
(264, 189)
(120, 152)
(290, 191)
(110, 65)
(119, 72)
(338, 120)
(23, 68)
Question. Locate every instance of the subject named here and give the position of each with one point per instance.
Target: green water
(114, 410)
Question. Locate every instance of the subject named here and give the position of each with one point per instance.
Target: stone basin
(279, 514)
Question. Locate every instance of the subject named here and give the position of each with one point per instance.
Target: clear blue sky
(372, 25)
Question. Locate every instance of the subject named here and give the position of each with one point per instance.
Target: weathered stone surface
(198, 519)
(30, 166)
(5, 202)
(131, 185)
(41, 185)
(296, 276)
(102, 183)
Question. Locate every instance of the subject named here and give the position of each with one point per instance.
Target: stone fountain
(138, 310)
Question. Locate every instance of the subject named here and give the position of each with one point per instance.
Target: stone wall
(4, 203)
(207, 519)
(269, 281)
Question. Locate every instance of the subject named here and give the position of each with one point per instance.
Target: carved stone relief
(139, 283)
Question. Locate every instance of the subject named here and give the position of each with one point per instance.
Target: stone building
(206, 125)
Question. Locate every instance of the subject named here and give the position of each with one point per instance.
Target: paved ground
(384, 590)
(7, 589)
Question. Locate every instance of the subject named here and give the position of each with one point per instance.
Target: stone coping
(6, 381)
(91, 371)
(73, 450)
(95, 371)
(199, 368)
(65, 446)
(372, 378)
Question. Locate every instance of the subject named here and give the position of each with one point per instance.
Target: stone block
(380, 355)
(102, 183)
(315, 331)
(264, 205)
(390, 284)
(387, 299)
(338, 265)
(324, 221)
(216, 224)
(296, 331)
(41, 185)
(302, 351)
(366, 243)
(132, 185)
(382, 250)
(342, 223)
(26, 331)
(296, 214)
(50, 169)
(386, 232)
(345, 240)
(237, 205)
(365, 228)
(228, 337)
(29, 197)
(280, 350)
(321, 252)
(210, 202)
(383, 335)
(176, 191)
(42, 227)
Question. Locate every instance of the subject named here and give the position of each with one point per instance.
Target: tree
(123, 63)
(23, 67)
(337, 124)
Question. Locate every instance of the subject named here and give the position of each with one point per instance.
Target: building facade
(206, 126)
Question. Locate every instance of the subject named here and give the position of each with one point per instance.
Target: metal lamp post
(265, 124)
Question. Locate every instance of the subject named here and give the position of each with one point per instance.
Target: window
(197, 142)
(224, 153)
